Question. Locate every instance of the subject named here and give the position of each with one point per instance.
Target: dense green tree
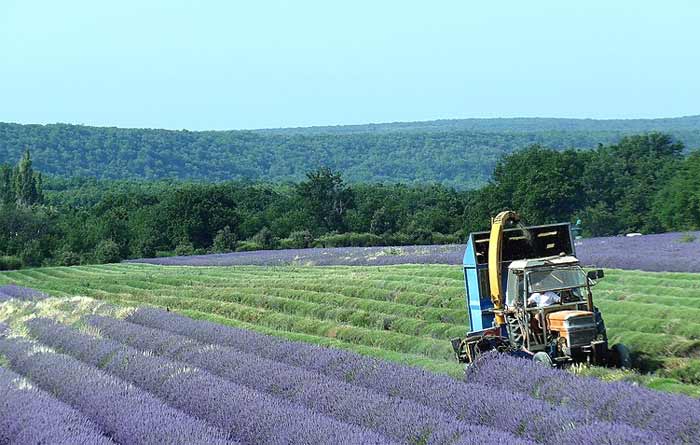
(196, 213)
(7, 189)
(107, 251)
(624, 179)
(461, 154)
(21, 185)
(677, 205)
(643, 183)
(29, 233)
(327, 198)
(224, 241)
(184, 248)
(382, 221)
(265, 239)
(542, 184)
(146, 235)
(27, 184)
(300, 239)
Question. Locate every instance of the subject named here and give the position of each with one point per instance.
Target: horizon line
(365, 124)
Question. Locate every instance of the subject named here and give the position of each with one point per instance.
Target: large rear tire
(543, 359)
(515, 332)
(620, 356)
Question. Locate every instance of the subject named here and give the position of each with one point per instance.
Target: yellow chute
(495, 248)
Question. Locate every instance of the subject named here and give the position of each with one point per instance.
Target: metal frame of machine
(487, 265)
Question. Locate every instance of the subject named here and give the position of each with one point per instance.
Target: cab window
(514, 289)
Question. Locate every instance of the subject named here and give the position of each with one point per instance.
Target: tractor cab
(560, 274)
(547, 309)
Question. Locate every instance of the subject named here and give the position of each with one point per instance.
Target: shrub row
(393, 341)
(329, 312)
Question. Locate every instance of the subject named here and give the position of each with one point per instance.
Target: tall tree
(7, 190)
(26, 190)
(542, 184)
(326, 197)
(677, 205)
(622, 180)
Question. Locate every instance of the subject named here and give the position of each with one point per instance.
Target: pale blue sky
(258, 64)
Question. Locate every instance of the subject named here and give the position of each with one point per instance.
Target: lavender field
(401, 313)
(84, 375)
(668, 252)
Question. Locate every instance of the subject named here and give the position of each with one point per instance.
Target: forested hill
(460, 153)
(509, 125)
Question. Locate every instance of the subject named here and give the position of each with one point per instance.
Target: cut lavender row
(401, 419)
(677, 417)
(353, 256)
(123, 412)
(250, 416)
(20, 293)
(437, 391)
(29, 415)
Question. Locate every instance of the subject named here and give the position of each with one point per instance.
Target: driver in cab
(543, 299)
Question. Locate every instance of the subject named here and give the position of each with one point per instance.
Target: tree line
(646, 183)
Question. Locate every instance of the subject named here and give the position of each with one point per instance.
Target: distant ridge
(458, 152)
(505, 125)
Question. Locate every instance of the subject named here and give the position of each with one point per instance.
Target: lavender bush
(499, 407)
(664, 252)
(250, 416)
(675, 417)
(123, 412)
(31, 416)
(21, 293)
(394, 417)
(604, 433)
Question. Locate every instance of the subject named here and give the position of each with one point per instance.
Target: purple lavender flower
(675, 417)
(20, 293)
(249, 416)
(605, 433)
(669, 254)
(29, 415)
(352, 256)
(499, 407)
(395, 417)
(666, 252)
(123, 412)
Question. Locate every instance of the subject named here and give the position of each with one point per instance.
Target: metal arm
(495, 250)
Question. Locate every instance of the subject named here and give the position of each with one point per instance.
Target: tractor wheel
(544, 359)
(515, 332)
(620, 356)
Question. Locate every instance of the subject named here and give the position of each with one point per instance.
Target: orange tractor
(528, 295)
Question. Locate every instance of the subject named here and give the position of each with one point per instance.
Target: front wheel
(620, 356)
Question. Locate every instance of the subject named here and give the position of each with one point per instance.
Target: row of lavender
(673, 417)
(250, 388)
(53, 398)
(29, 415)
(11, 291)
(669, 252)
(239, 412)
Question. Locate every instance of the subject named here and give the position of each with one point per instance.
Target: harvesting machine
(506, 270)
